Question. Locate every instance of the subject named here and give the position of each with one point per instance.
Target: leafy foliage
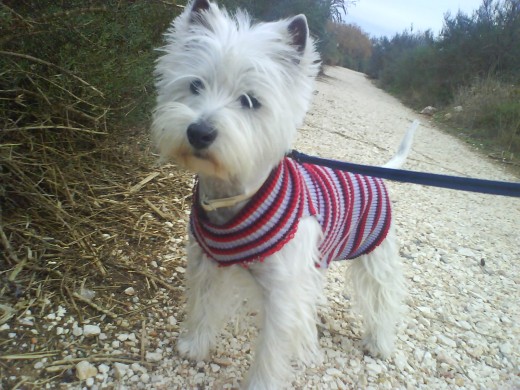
(471, 51)
(347, 45)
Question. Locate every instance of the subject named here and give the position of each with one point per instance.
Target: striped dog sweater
(353, 211)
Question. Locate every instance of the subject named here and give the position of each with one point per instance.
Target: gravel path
(461, 256)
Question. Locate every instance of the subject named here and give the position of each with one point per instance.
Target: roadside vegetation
(470, 72)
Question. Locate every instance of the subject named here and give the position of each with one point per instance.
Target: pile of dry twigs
(81, 205)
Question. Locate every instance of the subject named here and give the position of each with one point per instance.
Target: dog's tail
(404, 148)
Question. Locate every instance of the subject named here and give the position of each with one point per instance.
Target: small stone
(374, 368)
(400, 361)
(335, 372)
(120, 370)
(85, 370)
(223, 362)
(87, 294)
(443, 358)
(122, 337)
(476, 352)
(180, 270)
(77, 331)
(103, 368)
(425, 311)
(172, 321)
(145, 378)
(466, 252)
(447, 341)
(91, 330)
(38, 365)
(130, 291)
(505, 348)
(59, 331)
(116, 344)
(89, 382)
(153, 357)
(215, 367)
(464, 325)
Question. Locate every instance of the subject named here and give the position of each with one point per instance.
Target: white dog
(231, 95)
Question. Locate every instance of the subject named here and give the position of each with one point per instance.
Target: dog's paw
(194, 347)
(378, 347)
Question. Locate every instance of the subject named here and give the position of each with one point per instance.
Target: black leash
(427, 179)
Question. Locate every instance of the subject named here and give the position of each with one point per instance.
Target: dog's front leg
(211, 299)
(291, 287)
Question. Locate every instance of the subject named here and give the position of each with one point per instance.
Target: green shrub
(490, 110)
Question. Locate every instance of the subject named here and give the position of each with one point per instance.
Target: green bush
(490, 110)
(110, 44)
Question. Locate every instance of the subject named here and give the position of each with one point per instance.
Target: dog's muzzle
(201, 135)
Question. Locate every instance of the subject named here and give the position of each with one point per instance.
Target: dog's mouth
(203, 155)
(201, 161)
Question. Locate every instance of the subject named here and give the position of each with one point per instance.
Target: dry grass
(491, 113)
(82, 210)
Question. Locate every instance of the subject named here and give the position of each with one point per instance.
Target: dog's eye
(196, 86)
(250, 102)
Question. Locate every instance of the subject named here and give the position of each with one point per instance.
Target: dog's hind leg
(212, 299)
(379, 289)
(291, 289)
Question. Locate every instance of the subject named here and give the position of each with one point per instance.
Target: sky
(388, 17)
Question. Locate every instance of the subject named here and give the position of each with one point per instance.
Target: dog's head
(231, 94)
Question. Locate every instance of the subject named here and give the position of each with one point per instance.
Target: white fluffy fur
(232, 57)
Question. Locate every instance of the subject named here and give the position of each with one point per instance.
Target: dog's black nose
(201, 135)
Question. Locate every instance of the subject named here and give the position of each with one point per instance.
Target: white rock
(122, 337)
(91, 330)
(103, 368)
(466, 252)
(464, 325)
(215, 367)
(89, 382)
(334, 372)
(85, 370)
(77, 331)
(428, 110)
(400, 361)
(447, 341)
(145, 378)
(425, 311)
(130, 291)
(153, 357)
(172, 320)
(506, 348)
(374, 368)
(120, 370)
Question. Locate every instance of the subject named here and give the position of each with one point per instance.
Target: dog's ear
(299, 31)
(198, 7)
